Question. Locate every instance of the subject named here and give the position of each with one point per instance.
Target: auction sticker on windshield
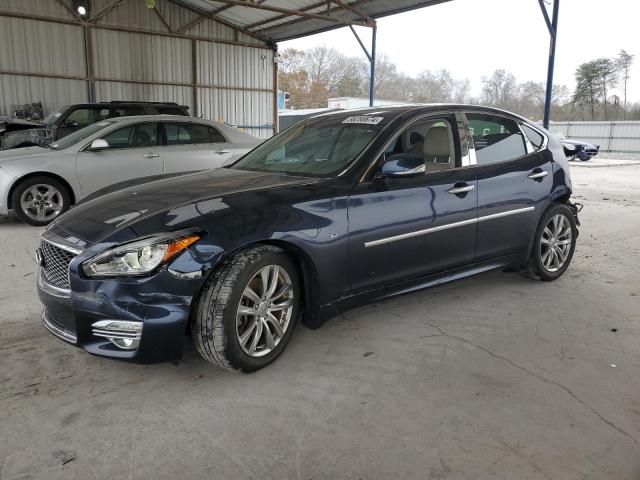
(363, 120)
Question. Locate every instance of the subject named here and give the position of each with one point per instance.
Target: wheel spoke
(247, 333)
(268, 336)
(264, 277)
(244, 310)
(276, 307)
(41, 212)
(251, 295)
(276, 325)
(285, 288)
(256, 338)
(545, 257)
(273, 282)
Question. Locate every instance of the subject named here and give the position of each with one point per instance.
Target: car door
(194, 146)
(406, 227)
(133, 152)
(514, 183)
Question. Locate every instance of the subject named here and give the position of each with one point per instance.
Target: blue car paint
(323, 223)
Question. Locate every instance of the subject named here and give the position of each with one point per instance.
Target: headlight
(140, 257)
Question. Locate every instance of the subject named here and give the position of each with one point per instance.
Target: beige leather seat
(437, 149)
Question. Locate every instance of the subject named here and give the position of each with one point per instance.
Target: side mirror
(98, 144)
(403, 165)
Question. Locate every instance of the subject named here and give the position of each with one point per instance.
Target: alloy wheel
(555, 243)
(41, 202)
(265, 310)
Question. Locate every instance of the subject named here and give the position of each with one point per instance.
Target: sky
(472, 38)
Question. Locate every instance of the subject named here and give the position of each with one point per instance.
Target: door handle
(459, 190)
(151, 155)
(221, 152)
(537, 175)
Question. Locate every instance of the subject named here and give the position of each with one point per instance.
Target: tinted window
(496, 139)
(119, 138)
(80, 118)
(534, 137)
(430, 141)
(191, 133)
(133, 136)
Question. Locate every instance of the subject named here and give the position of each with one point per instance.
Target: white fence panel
(611, 136)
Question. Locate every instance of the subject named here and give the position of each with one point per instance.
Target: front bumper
(160, 305)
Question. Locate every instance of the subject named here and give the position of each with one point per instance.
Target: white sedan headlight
(139, 257)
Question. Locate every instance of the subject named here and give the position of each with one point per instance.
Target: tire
(585, 159)
(572, 158)
(542, 265)
(218, 327)
(48, 192)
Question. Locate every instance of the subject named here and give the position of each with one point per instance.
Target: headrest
(436, 143)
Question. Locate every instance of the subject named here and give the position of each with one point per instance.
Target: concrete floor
(495, 376)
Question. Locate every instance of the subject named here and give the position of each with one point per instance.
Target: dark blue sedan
(341, 209)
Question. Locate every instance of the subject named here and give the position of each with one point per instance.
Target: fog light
(123, 334)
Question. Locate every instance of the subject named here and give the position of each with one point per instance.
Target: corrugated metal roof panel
(278, 26)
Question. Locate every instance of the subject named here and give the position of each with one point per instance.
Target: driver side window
(133, 136)
(429, 142)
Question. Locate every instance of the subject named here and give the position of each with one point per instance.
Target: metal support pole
(372, 80)
(553, 31)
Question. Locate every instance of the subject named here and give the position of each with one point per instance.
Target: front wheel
(554, 244)
(39, 200)
(248, 309)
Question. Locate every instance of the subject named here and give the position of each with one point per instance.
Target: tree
(624, 64)
(499, 90)
(588, 91)
(607, 73)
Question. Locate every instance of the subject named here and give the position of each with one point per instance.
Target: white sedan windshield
(80, 135)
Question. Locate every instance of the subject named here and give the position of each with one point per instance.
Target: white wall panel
(136, 56)
(26, 46)
(53, 93)
(235, 66)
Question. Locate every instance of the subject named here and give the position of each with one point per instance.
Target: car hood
(111, 215)
(18, 154)
(577, 142)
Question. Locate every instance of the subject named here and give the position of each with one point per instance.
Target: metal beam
(224, 22)
(282, 17)
(106, 10)
(67, 8)
(104, 26)
(364, 49)
(162, 19)
(293, 13)
(553, 35)
(372, 79)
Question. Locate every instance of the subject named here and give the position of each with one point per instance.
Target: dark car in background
(336, 211)
(579, 149)
(71, 118)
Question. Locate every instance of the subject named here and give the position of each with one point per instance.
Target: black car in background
(338, 210)
(579, 149)
(70, 118)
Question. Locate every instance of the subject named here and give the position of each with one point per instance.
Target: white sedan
(40, 183)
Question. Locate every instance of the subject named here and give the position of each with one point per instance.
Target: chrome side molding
(439, 228)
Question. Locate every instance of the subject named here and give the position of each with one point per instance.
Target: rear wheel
(248, 309)
(554, 244)
(39, 200)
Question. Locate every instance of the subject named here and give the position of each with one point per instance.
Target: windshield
(80, 135)
(50, 119)
(321, 147)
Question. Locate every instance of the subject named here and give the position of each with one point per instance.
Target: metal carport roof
(279, 20)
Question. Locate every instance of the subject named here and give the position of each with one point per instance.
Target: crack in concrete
(541, 378)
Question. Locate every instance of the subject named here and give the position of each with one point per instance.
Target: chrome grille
(56, 264)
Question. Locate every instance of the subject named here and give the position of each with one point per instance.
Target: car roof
(417, 109)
